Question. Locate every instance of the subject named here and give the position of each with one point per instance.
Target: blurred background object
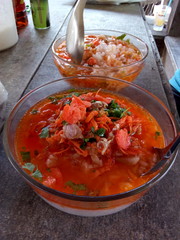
(8, 30)
(40, 13)
(3, 99)
(175, 85)
(20, 13)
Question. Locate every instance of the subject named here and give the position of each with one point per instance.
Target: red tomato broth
(59, 161)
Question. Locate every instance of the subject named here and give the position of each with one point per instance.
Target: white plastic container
(8, 29)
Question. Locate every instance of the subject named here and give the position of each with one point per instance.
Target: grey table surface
(23, 215)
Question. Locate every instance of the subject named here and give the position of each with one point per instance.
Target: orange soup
(88, 143)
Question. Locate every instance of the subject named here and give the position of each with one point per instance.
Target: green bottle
(40, 13)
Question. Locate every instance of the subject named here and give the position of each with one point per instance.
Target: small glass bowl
(89, 205)
(127, 72)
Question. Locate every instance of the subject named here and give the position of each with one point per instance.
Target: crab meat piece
(72, 131)
(103, 145)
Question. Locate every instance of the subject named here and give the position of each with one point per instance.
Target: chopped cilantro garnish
(34, 111)
(54, 99)
(114, 110)
(125, 112)
(157, 134)
(71, 90)
(121, 37)
(92, 130)
(34, 173)
(68, 101)
(83, 145)
(113, 105)
(37, 174)
(76, 187)
(44, 133)
(64, 122)
(73, 93)
(29, 166)
(26, 156)
(100, 132)
(85, 141)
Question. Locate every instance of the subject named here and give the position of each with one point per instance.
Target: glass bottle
(20, 13)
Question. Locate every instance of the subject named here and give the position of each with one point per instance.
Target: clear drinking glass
(159, 20)
(40, 13)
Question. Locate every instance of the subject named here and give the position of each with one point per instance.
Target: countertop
(24, 215)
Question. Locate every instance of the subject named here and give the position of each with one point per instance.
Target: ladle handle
(75, 32)
(164, 155)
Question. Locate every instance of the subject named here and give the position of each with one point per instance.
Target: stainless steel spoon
(164, 155)
(75, 33)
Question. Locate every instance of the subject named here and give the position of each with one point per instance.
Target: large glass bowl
(87, 205)
(126, 72)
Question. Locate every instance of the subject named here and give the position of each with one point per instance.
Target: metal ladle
(164, 155)
(75, 33)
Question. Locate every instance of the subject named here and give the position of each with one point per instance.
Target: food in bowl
(88, 143)
(117, 55)
(83, 150)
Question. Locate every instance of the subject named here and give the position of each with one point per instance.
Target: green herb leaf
(84, 144)
(26, 157)
(71, 90)
(100, 132)
(113, 105)
(64, 122)
(121, 37)
(73, 93)
(125, 112)
(29, 166)
(68, 101)
(44, 132)
(85, 141)
(54, 99)
(157, 134)
(34, 111)
(92, 130)
(37, 174)
(76, 187)
(114, 110)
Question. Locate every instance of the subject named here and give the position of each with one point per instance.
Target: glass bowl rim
(83, 198)
(109, 67)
